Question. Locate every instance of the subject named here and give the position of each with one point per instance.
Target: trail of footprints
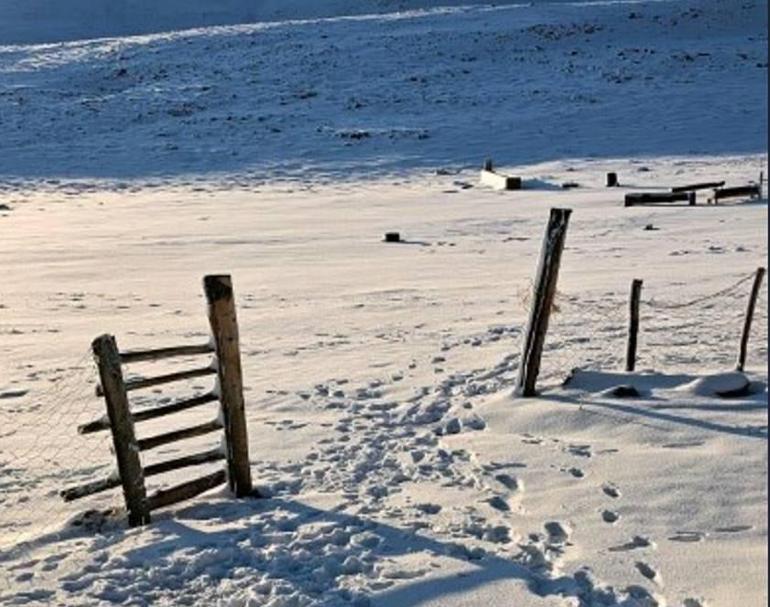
(379, 446)
(382, 445)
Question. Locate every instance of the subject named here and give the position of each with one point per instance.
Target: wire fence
(678, 331)
(41, 452)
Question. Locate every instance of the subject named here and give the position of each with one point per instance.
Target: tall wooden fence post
(633, 323)
(107, 358)
(748, 318)
(224, 327)
(542, 301)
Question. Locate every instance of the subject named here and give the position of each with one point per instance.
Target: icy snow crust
(398, 468)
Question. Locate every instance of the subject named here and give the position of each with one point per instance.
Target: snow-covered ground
(401, 470)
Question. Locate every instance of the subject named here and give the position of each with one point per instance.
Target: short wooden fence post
(633, 323)
(542, 301)
(107, 358)
(224, 327)
(760, 274)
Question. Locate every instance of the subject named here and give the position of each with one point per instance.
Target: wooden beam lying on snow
(706, 185)
(741, 191)
(659, 197)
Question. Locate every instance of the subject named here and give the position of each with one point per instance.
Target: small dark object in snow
(392, 237)
(643, 169)
(649, 227)
(355, 135)
(625, 391)
(612, 180)
(463, 185)
(4, 207)
(568, 185)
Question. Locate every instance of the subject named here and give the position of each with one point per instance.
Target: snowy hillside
(40, 21)
(396, 466)
(383, 94)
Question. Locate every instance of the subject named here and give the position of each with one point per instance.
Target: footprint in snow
(579, 450)
(501, 465)
(638, 541)
(733, 529)
(428, 508)
(558, 533)
(687, 536)
(611, 490)
(649, 572)
(576, 472)
(531, 440)
(684, 444)
(610, 516)
(509, 482)
(498, 503)
(13, 394)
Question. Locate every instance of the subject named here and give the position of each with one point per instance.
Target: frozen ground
(400, 470)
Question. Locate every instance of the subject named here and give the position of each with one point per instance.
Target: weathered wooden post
(760, 274)
(542, 301)
(107, 358)
(633, 323)
(224, 327)
(612, 180)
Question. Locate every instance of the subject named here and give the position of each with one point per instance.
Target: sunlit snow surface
(400, 470)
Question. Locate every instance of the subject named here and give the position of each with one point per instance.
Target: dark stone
(392, 237)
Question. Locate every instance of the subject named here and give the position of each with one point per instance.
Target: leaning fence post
(107, 358)
(542, 301)
(224, 327)
(633, 323)
(749, 317)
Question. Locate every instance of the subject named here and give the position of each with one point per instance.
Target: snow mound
(729, 384)
(733, 383)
